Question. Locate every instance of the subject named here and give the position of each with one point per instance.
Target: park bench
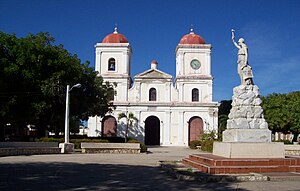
(112, 148)
(28, 148)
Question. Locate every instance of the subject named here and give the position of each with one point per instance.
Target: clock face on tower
(195, 64)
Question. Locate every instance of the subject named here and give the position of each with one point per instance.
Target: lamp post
(66, 146)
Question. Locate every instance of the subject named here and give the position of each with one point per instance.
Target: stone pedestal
(247, 134)
(66, 147)
(246, 111)
(249, 150)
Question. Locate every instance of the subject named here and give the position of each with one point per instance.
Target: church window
(111, 64)
(152, 94)
(195, 94)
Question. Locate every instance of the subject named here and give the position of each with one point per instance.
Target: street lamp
(67, 147)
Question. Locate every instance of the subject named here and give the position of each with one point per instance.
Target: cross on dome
(192, 38)
(115, 37)
(116, 29)
(192, 29)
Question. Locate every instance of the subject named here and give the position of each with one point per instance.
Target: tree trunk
(2, 132)
(56, 130)
(126, 132)
(41, 129)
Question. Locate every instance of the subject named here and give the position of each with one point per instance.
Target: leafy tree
(282, 112)
(222, 124)
(225, 106)
(224, 110)
(276, 112)
(34, 73)
(130, 118)
(294, 111)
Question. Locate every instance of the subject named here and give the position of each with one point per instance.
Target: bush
(51, 139)
(76, 142)
(286, 142)
(194, 144)
(207, 140)
(142, 145)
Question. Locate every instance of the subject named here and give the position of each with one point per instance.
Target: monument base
(249, 150)
(247, 135)
(66, 147)
(212, 164)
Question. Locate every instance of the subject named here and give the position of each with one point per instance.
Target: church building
(169, 112)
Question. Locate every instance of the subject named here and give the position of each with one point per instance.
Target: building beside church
(169, 114)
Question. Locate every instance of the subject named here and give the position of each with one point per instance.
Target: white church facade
(169, 112)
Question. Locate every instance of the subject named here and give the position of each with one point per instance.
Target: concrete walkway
(111, 172)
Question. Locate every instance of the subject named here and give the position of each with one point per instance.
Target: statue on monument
(244, 70)
(247, 134)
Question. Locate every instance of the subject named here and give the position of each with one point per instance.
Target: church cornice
(167, 104)
(115, 76)
(199, 46)
(193, 77)
(112, 45)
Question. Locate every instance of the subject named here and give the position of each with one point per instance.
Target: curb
(180, 171)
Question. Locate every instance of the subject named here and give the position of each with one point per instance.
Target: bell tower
(193, 69)
(113, 58)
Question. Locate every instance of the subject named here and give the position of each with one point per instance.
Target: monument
(247, 134)
(246, 146)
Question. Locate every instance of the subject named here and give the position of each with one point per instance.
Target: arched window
(152, 94)
(111, 64)
(195, 94)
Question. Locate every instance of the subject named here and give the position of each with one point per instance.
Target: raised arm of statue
(232, 37)
(235, 44)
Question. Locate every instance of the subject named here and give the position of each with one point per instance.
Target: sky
(154, 28)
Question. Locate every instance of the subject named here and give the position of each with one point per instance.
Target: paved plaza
(111, 172)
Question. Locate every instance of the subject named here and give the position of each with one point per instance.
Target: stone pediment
(153, 74)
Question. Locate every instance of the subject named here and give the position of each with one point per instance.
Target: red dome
(115, 38)
(192, 38)
(154, 62)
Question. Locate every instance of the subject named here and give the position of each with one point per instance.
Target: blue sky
(154, 28)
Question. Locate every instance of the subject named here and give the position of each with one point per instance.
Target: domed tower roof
(115, 37)
(192, 38)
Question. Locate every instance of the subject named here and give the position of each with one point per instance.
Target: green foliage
(222, 124)
(207, 140)
(224, 110)
(76, 142)
(294, 103)
(51, 139)
(276, 112)
(142, 145)
(34, 73)
(286, 142)
(194, 144)
(282, 112)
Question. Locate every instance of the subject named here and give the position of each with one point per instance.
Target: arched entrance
(152, 131)
(109, 126)
(195, 128)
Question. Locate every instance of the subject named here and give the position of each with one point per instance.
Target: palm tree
(129, 121)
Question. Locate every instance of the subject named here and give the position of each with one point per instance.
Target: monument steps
(213, 164)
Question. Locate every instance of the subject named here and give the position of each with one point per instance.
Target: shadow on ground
(76, 176)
